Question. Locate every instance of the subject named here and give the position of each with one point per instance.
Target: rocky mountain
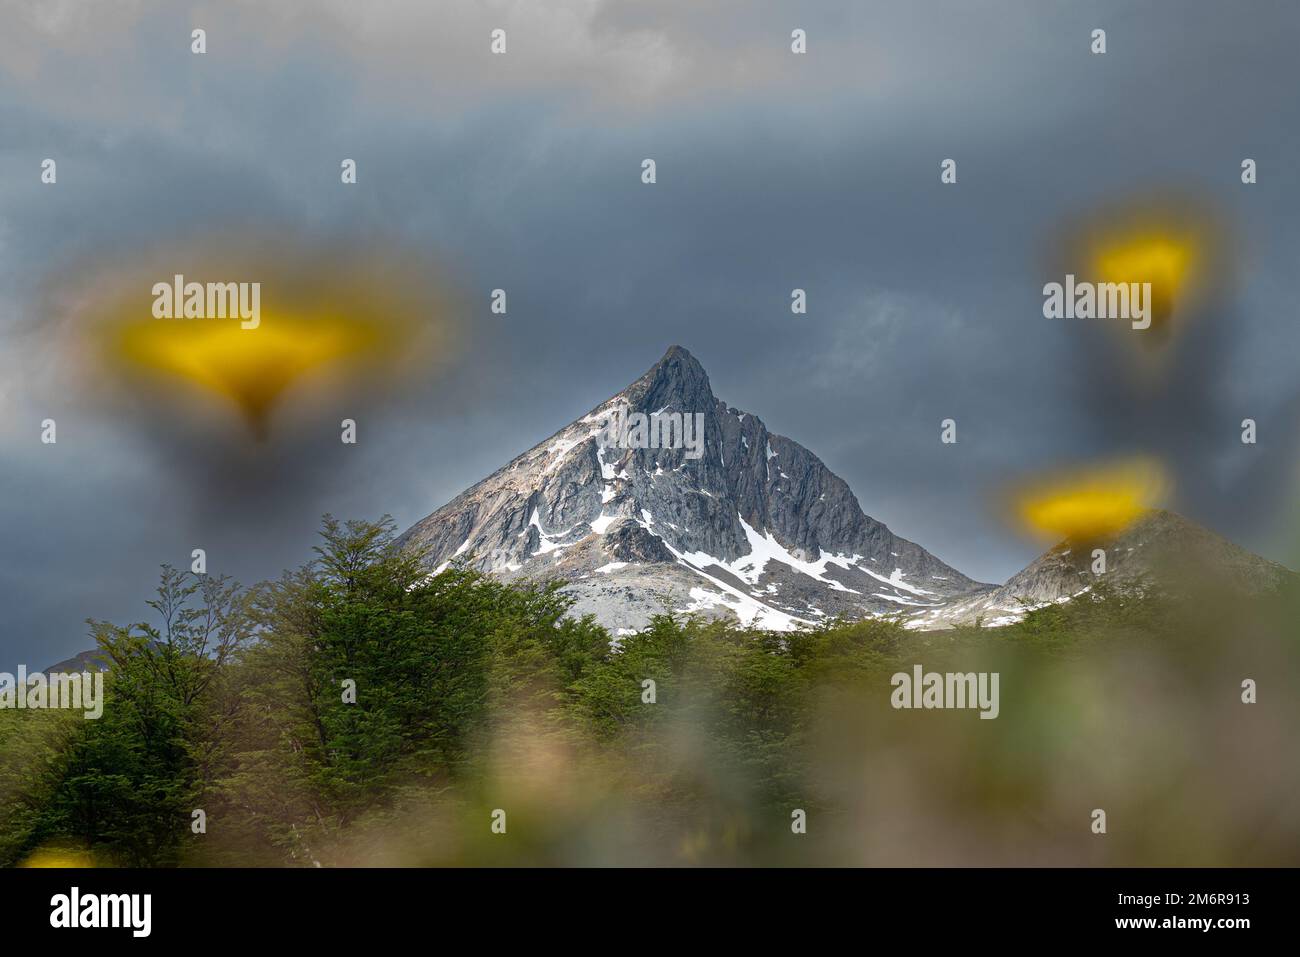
(1160, 545)
(723, 518)
(741, 523)
(734, 521)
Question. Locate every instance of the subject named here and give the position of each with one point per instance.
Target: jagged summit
(678, 375)
(744, 523)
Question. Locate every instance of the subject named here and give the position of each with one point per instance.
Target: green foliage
(424, 656)
(234, 702)
(34, 750)
(123, 784)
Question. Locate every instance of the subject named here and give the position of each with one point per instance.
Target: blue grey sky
(522, 171)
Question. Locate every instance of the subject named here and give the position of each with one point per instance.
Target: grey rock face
(755, 527)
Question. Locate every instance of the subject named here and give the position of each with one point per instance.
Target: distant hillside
(92, 660)
(1161, 545)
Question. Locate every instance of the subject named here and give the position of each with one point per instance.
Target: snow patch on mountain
(647, 530)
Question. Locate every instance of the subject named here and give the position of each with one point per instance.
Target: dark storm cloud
(523, 172)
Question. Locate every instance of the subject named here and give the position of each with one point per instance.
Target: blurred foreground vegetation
(474, 696)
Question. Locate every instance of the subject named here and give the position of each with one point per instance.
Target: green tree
(128, 780)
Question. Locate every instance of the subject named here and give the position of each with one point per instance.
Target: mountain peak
(677, 382)
(732, 521)
(679, 353)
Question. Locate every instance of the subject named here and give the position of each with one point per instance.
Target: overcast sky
(522, 171)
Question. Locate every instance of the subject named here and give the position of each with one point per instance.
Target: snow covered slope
(755, 528)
